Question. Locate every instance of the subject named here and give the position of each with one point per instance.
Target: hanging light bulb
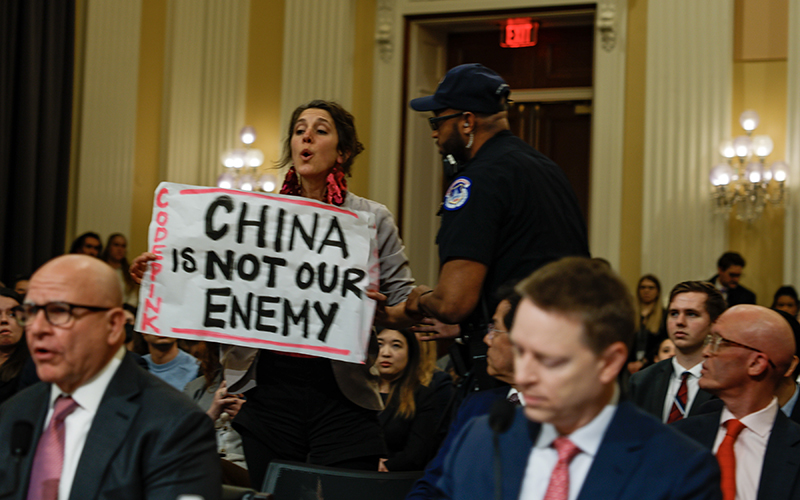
(749, 120)
(248, 135)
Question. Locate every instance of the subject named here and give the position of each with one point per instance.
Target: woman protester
(410, 420)
(305, 408)
(13, 348)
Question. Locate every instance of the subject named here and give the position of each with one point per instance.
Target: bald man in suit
(126, 434)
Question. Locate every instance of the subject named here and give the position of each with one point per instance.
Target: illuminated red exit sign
(519, 33)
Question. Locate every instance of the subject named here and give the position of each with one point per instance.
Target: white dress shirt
(78, 423)
(750, 447)
(692, 386)
(543, 457)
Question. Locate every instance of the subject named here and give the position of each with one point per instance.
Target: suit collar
(116, 413)
(782, 460)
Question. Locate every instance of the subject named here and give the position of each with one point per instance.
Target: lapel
(37, 411)
(617, 458)
(781, 461)
(515, 451)
(109, 430)
(660, 386)
(701, 398)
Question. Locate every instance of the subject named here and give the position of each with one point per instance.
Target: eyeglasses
(713, 342)
(436, 120)
(491, 331)
(56, 313)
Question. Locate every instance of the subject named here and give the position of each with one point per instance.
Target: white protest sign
(259, 270)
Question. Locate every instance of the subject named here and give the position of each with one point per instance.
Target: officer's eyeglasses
(436, 120)
(714, 341)
(56, 313)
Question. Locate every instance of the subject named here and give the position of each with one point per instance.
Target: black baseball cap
(469, 87)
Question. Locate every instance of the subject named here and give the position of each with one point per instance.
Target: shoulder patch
(457, 194)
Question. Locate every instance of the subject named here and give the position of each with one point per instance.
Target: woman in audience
(786, 300)
(651, 323)
(410, 418)
(306, 408)
(666, 350)
(115, 254)
(13, 348)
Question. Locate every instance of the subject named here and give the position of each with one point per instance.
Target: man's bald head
(87, 337)
(762, 329)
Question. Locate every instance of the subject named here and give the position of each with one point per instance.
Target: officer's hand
(433, 329)
(413, 308)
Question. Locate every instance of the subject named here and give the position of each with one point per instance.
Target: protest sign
(259, 270)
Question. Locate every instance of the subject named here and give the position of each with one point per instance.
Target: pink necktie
(558, 489)
(49, 458)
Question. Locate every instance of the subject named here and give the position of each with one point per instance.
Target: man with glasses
(729, 271)
(508, 210)
(748, 352)
(670, 389)
(97, 425)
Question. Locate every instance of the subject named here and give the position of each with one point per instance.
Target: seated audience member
(666, 350)
(437, 379)
(786, 300)
(788, 391)
(115, 254)
(21, 285)
(669, 389)
(210, 393)
(87, 244)
(750, 350)
(100, 427)
(570, 338)
(409, 420)
(13, 349)
(651, 323)
(729, 271)
(169, 363)
(500, 365)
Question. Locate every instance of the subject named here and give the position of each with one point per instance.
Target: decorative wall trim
(688, 112)
(791, 241)
(108, 117)
(205, 87)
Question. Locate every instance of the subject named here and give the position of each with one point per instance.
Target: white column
(318, 49)
(791, 259)
(204, 89)
(688, 112)
(107, 121)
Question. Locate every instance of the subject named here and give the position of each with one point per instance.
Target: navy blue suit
(474, 405)
(638, 458)
(781, 469)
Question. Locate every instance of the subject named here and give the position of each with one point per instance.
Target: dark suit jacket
(738, 295)
(781, 470)
(648, 389)
(638, 458)
(147, 440)
(476, 404)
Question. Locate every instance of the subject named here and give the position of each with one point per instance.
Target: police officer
(508, 210)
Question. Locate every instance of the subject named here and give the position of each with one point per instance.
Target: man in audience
(168, 362)
(729, 271)
(570, 337)
(87, 244)
(500, 364)
(508, 210)
(788, 391)
(749, 351)
(669, 389)
(97, 426)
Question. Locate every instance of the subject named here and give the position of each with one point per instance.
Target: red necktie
(558, 489)
(727, 459)
(679, 404)
(49, 458)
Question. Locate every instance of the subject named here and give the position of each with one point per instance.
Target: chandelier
(745, 181)
(241, 166)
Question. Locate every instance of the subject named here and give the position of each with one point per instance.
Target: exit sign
(519, 33)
